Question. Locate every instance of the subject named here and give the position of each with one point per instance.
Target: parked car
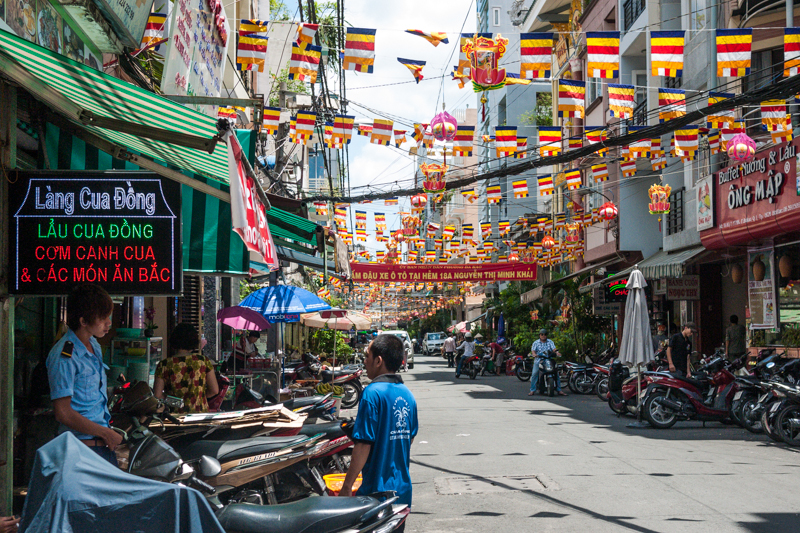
(409, 347)
(432, 343)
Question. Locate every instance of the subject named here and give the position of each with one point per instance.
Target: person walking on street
(497, 353)
(541, 345)
(449, 349)
(385, 426)
(735, 346)
(679, 350)
(469, 351)
(77, 375)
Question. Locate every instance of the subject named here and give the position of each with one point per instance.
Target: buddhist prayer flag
(549, 140)
(658, 160)
(791, 52)
(686, 141)
(493, 194)
(784, 135)
(573, 178)
(448, 232)
(343, 128)
(602, 54)
(522, 148)
(434, 37)
(304, 63)
(600, 172)
(571, 96)
(628, 168)
(361, 219)
(427, 138)
(486, 229)
(641, 148)
(305, 126)
(433, 227)
(228, 113)
(671, 104)
(390, 201)
(380, 222)
(728, 131)
(597, 134)
(359, 50)
(466, 232)
(536, 51)
(306, 33)
(419, 132)
(733, 52)
(462, 144)
(574, 143)
(469, 194)
(504, 225)
(327, 137)
(399, 137)
(361, 234)
(773, 114)
(414, 66)
(514, 79)
(154, 29)
(271, 119)
(666, 53)
(545, 185)
(251, 50)
(321, 208)
(718, 118)
(381, 132)
(506, 140)
(620, 100)
(364, 130)
(713, 142)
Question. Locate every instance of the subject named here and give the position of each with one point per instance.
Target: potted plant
(149, 325)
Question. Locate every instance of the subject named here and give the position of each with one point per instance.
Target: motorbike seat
(332, 430)
(691, 381)
(297, 403)
(234, 449)
(304, 516)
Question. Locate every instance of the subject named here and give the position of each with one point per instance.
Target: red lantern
(741, 147)
(548, 242)
(608, 211)
(513, 257)
(418, 202)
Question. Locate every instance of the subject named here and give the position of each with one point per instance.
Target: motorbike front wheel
(768, 418)
(787, 426)
(352, 395)
(659, 416)
(602, 388)
(521, 374)
(750, 418)
(583, 383)
(618, 407)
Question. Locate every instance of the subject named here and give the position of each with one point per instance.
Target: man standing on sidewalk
(680, 348)
(385, 426)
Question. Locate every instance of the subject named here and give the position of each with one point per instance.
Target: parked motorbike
(601, 381)
(523, 366)
(706, 396)
(548, 373)
(348, 377)
(622, 387)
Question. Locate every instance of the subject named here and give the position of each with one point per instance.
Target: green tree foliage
(541, 115)
(322, 343)
(294, 86)
(278, 10)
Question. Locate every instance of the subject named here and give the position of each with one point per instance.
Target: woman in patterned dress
(186, 375)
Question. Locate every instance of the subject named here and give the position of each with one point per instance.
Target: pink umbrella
(242, 318)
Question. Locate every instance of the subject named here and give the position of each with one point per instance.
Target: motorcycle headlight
(548, 365)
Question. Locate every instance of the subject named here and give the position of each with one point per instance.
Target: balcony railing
(631, 10)
(640, 114)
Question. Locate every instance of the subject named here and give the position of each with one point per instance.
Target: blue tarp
(73, 490)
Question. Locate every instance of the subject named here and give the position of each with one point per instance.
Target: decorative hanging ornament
(741, 147)
(513, 257)
(572, 232)
(484, 56)
(418, 202)
(659, 199)
(548, 242)
(608, 211)
(443, 126)
(434, 177)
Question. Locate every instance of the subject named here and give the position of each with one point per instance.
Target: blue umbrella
(501, 327)
(284, 303)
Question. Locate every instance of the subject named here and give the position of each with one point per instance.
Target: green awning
(304, 230)
(88, 97)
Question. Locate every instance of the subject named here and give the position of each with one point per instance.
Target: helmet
(542, 331)
(468, 336)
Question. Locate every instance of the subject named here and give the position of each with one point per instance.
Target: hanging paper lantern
(434, 174)
(741, 147)
(418, 202)
(443, 126)
(548, 242)
(513, 257)
(484, 56)
(572, 232)
(659, 199)
(608, 211)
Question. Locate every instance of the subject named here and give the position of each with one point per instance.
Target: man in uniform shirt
(679, 350)
(77, 374)
(735, 339)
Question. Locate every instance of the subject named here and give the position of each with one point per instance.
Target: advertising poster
(705, 203)
(761, 287)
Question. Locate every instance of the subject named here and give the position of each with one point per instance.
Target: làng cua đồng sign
(121, 230)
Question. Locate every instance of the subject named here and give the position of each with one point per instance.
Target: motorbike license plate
(775, 407)
(737, 395)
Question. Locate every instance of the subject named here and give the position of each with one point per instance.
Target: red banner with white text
(488, 272)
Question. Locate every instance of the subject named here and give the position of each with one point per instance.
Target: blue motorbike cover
(73, 490)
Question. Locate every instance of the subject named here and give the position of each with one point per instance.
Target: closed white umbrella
(636, 347)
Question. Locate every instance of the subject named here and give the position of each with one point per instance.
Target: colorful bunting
(784, 135)
(719, 117)
(321, 209)
(448, 232)
(658, 160)
(597, 134)
(251, 51)
(600, 172)
(536, 50)
(343, 128)
(571, 96)
(602, 54)
(327, 137)
(628, 168)
(306, 33)
(522, 148)
(434, 38)
(305, 122)
(414, 66)
(514, 79)
(791, 52)
(620, 100)
(380, 222)
(506, 140)
(666, 53)
(574, 143)
(641, 148)
(304, 63)
(573, 178)
(381, 132)
(671, 104)
(733, 52)
(713, 142)
(728, 131)
(462, 144)
(228, 113)
(773, 114)
(359, 50)
(503, 226)
(549, 140)
(154, 29)
(390, 201)
(469, 194)
(686, 141)
(486, 229)
(545, 185)
(271, 120)
(399, 137)
(361, 219)
(494, 194)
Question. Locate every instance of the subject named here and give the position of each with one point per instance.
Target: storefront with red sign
(749, 213)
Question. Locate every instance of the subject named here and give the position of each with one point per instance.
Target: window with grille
(675, 215)
(673, 83)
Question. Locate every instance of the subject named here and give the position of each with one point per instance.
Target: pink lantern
(443, 126)
(741, 147)
(608, 211)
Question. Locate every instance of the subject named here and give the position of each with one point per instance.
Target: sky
(379, 166)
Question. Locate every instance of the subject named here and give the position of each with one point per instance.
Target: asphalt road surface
(490, 459)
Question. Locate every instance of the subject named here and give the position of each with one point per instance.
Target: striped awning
(99, 102)
(668, 265)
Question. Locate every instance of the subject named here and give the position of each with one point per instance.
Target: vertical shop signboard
(705, 203)
(761, 287)
(120, 230)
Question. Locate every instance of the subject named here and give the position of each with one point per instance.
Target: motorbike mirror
(209, 467)
(173, 402)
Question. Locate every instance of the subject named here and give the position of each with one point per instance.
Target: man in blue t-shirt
(385, 426)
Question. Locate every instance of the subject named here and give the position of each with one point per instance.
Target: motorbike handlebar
(201, 485)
